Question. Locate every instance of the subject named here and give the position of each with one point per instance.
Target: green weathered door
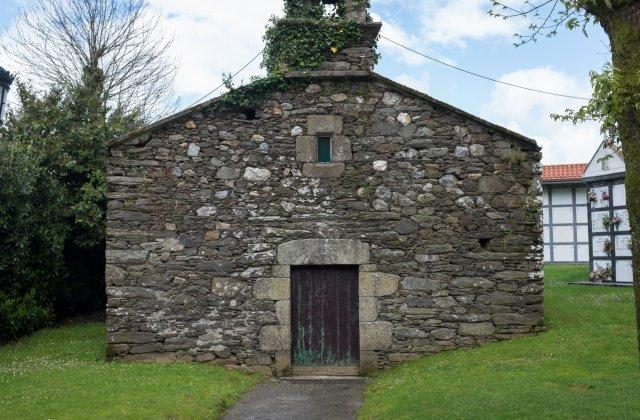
(324, 315)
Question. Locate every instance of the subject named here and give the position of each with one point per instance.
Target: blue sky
(218, 36)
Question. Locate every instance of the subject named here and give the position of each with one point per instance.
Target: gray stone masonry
(203, 209)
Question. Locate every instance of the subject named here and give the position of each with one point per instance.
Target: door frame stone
(375, 335)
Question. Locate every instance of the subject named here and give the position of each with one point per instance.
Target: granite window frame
(307, 147)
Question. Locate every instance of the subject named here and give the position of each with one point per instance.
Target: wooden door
(324, 316)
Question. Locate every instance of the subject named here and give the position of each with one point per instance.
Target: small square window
(324, 150)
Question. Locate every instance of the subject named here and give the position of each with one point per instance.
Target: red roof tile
(563, 172)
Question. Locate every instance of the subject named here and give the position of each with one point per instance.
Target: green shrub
(32, 237)
(22, 315)
(53, 206)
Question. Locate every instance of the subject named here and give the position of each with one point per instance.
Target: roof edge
(567, 164)
(529, 141)
(577, 181)
(145, 131)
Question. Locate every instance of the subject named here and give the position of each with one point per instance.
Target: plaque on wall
(624, 271)
(619, 195)
(623, 243)
(597, 264)
(603, 196)
(596, 221)
(624, 225)
(598, 246)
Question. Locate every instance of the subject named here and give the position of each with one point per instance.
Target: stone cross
(356, 10)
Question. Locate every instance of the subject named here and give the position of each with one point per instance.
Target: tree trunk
(623, 27)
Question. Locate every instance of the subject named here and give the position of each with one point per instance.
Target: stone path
(306, 399)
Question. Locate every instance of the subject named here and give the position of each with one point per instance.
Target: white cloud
(221, 36)
(398, 34)
(419, 83)
(529, 113)
(215, 37)
(455, 21)
(210, 38)
(400, 55)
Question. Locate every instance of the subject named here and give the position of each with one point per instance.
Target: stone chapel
(344, 224)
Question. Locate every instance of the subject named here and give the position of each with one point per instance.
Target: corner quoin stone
(281, 271)
(491, 184)
(272, 289)
(283, 312)
(376, 335)
(114, 275)
(378, 284)
(283, 363)
(368, 309)
(323, 252)
(368, 362)
(275, 338)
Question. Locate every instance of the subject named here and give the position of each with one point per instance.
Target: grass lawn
(61, 373)
(567, 272)
(585, 366)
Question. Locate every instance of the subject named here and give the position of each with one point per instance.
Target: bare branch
(58, 41)
(546, 16)
(532, 9)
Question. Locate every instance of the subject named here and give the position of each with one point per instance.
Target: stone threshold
(322, 378)
(337, 371)
(589, 283)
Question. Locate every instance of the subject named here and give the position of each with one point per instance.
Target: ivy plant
(254, 93)
(300, 41)
(303, 44)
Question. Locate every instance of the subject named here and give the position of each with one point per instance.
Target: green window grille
(324, 150)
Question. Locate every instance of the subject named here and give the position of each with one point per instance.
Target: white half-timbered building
(565, 215)
(585, 215)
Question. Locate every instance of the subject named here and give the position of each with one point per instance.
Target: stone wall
(447, 204)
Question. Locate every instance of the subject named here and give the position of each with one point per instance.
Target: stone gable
(207, 211)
